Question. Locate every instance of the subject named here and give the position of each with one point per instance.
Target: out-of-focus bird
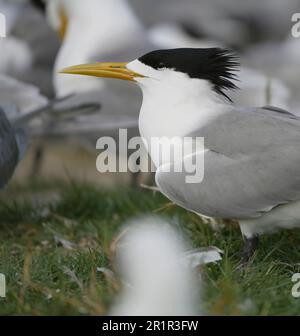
(90, 31)
(235, 23)
(31, 114)
(11, 149)
(20, 104)
(281, 60)
(158, 275)
(251, 155)
(258, 89)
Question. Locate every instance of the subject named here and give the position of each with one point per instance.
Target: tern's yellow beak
(107, 70)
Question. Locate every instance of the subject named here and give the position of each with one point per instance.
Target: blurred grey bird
(11, 149)
(251, 154)
(26, 114)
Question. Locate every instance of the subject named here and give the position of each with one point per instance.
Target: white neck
(177, 109)
(175, 112)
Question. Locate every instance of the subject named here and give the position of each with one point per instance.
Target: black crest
(214, 64)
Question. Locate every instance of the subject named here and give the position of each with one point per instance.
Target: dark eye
(161, 65)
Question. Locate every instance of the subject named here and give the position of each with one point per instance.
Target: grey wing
(241, 187)
(9, 152)
(246, 173)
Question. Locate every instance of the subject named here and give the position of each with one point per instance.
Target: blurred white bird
(92, 30)
(159, 274)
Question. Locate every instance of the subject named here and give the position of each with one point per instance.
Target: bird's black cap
(214, 64)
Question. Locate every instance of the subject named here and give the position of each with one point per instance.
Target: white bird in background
(87, 30)
(251, 155)
(95, 30)
(159, 276)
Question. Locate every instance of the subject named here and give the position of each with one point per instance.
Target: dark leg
(250, 246)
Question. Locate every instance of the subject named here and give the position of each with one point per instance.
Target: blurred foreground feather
(160, 276)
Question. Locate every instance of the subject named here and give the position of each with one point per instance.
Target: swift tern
(251, 154)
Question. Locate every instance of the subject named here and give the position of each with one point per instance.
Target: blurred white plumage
(159, 273)
(93, 30)
(158, 283)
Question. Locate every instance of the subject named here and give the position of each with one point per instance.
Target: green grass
(36, 220)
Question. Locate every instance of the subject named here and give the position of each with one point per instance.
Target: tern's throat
(177, 109)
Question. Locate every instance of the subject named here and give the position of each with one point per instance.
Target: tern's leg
(251, 240)
(250, 246)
